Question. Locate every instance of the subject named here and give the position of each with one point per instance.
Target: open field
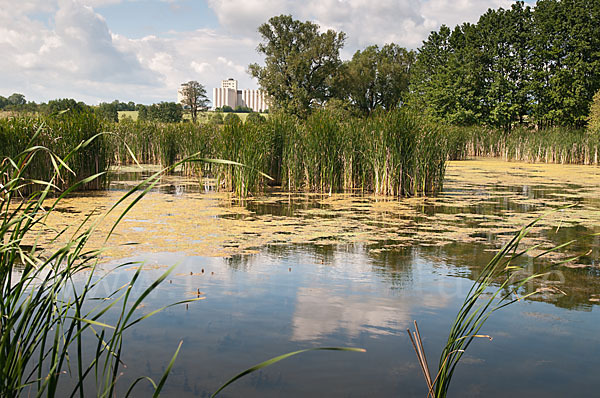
(202, 116)
(130, 114)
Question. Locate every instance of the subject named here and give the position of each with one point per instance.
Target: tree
(107, 111)
(232, 118)
(63, 104)
(194, 98)
(300, 63)
(167, 112)
(594, 117)
(376, 77)
(16, 99)
(242, 109)
(539, 65)
(216, 118)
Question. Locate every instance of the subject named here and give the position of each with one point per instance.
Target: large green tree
(376, 77)
(446, 79)
(16, 99)
(567, 59)
(194, 98)
(504, 39)
(300, 63)
(537, 65)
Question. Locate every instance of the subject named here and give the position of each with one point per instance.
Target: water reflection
(319, 313)
(284, 271)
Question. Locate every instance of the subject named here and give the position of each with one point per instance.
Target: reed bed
(553, 145)
(388, 153)
(58, 134)
(50, 322)
(249, 144)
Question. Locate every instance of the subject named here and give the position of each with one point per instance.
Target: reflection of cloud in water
(319, 313)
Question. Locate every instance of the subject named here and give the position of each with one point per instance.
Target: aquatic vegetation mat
(483, 201)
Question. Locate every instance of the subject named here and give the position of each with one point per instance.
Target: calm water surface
(344, 290)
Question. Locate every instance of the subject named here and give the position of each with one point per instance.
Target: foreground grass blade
(163, 379)
(282, 357)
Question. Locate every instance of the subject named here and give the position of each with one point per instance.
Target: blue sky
(142, 50)
(137, 19)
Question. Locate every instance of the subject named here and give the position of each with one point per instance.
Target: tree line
(534, 65)
(537, 66)
(109, 111)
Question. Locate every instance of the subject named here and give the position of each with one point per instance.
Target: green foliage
(255, 117)
(216, 118)
(231, 118)
(16, 99)
(517, 66)
(300, 64)
(122, 106)
(376, 78)
(64, 104)
(238, 109)
(107, 112)
(242, 109)
(166, 112)
(594, 117)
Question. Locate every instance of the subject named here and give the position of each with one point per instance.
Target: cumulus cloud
(405, 22)
(74, 55)
(202, 55)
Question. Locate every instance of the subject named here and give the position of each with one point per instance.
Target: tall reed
(48, 325)
(389, 153)
(59, 134)
(499, 284)
(552, 145)
(248, 144)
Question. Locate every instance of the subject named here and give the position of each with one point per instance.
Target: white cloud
(200, 67)
(405, 22)
(74, 57)
(201, 55)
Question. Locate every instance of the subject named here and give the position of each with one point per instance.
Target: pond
(286, 271)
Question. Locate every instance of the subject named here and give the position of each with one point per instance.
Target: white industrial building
(228, 94)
